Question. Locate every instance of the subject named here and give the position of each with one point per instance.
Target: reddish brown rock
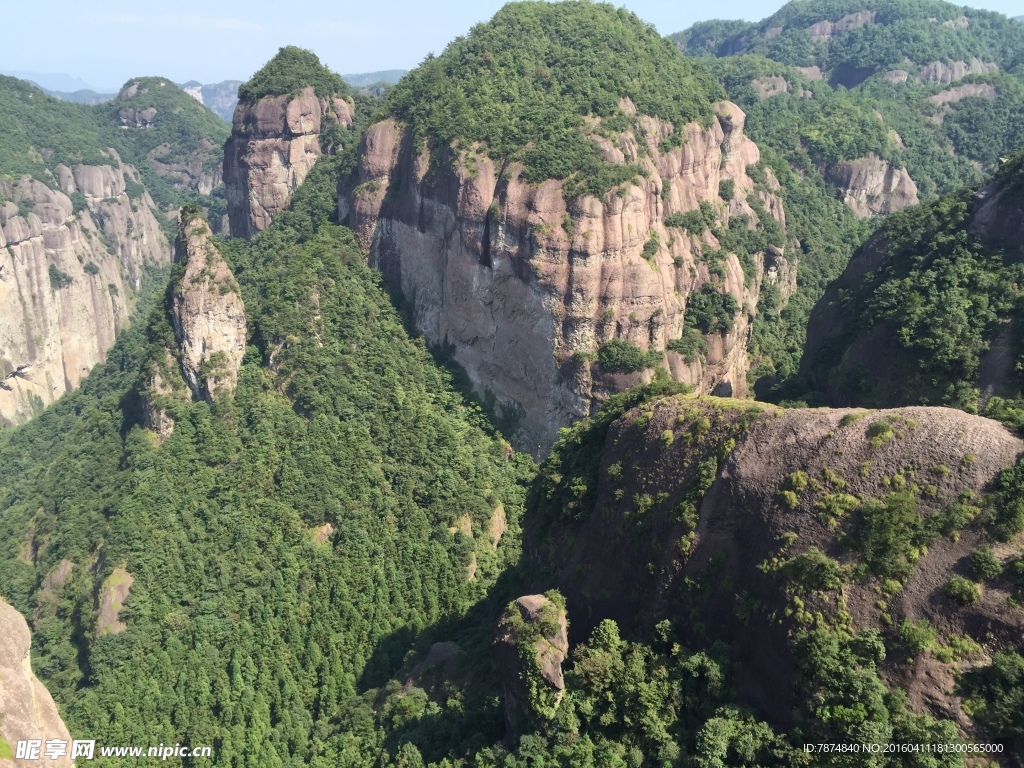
(870, 186)
(274, 143)
(208, 317)
(527, 286)
(28, 709)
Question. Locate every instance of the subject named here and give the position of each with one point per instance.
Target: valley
(580, 397)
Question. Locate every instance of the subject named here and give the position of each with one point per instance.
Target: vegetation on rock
(291, 70)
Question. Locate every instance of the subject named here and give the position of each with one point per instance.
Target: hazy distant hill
(368, 78)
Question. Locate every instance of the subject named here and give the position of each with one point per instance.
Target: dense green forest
(899, 29)
(524, 81)
(931, 289)
(353, 425)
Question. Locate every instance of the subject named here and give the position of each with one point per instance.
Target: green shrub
(710, 311)
(985, 564)
(90, 268)
(879, 433)
(815, 570)
(651, 246)
(621, 356)
(697, 221)
(996, 695)
(59, 278)
(690, 345)
(918, 636)
(727, 189)
(963, 591)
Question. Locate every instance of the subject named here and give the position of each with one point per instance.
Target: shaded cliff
(557, 283)
(73, 254)
(287, 115)
(207, 317)
(755, 526)
(928, 310)
(27, 707)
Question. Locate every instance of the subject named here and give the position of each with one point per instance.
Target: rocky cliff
(870, 186)
(276, 135)
(207, 316)
(750, 524)
(27, 709)
(72, 256)
(529, 286)
(530, 644)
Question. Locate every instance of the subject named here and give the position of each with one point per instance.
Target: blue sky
(104, 42)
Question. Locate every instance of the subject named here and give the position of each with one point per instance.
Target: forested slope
(929, 310)
(282, 544)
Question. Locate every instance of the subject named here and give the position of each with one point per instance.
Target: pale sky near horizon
(105, 42)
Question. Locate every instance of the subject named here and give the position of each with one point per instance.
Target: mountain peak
(291, 70)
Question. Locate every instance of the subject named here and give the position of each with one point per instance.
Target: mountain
(85, 199)
(928, 310)
(79, 233)
(79, 97)
(338, 496)
(220, 97)
(54, 81)
(181, 140)
(364, 79)
(900, 64)
(552, 240)
(875, 104)
(29, 710)
(289, 113)
(283, 517)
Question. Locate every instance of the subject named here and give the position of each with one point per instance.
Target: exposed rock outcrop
(767, 87)
(180, 139)
(527, 287)
(72, 256)
(530, 644)
(953, 95)
(113, 593)
(207, 315)
(27, 708)
(870, 186)
(273, 145)
(647, 547)
(950, 72)
(824, 30)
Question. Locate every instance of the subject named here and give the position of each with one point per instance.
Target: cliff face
(869, 186)
(208, 319)
(698, 501)
(274, 143)
(27, 707)
(527, 287)
(68, 275)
